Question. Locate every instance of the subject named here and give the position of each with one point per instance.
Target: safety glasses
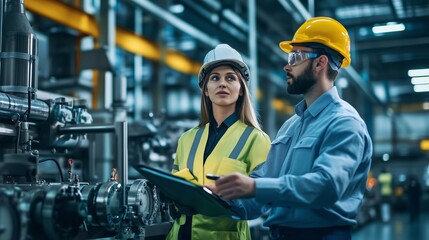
(297, 56)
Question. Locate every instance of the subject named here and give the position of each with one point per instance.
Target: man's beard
(302, 83)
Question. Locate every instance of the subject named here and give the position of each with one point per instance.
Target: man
(315, 174)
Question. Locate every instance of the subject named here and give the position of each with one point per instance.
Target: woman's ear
(242, 88)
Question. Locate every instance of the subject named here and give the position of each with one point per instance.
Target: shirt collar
(228, 121)
(324, 100)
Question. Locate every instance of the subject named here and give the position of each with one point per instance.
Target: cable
(56, 163)
(27, 112)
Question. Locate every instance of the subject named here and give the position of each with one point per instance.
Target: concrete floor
(398, 228)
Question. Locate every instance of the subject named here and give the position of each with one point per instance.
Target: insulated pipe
(18, 69)
(10, 105)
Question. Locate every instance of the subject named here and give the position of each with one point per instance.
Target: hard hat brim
(286, 46)
(240, 66)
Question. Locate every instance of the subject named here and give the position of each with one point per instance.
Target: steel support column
(253, 51)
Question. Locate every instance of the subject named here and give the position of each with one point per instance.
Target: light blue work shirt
(316, 171)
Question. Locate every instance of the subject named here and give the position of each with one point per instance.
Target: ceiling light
(386, 157)
(418, 72)
(363, 10)
(420, 80)
(176, 8)
(389, 27)
(187, 45)
(421, 88)
(342, 82)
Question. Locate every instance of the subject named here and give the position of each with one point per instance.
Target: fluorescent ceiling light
(363, 10)
(342, 82)
(389, 27)
(418, 72)
(420, 80)
(421, 88)
(176, 8)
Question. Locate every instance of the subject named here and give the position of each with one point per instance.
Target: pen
(212, 176)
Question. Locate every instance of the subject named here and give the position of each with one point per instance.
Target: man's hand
(234, 186)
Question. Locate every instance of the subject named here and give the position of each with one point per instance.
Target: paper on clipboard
(185, 193)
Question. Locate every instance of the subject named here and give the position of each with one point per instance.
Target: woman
(228, 139)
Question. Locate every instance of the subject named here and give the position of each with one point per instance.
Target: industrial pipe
(10, 105)
(82, 129)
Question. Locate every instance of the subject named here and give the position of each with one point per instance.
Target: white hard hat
(222, 54)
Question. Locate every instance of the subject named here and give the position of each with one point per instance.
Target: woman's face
(223, 87)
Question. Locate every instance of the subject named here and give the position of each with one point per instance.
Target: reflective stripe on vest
(241, 142)
(234, 154)
(191, 157)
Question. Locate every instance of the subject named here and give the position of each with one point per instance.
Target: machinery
(36, 201)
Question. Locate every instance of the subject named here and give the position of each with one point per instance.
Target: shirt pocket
(279, 148)
(306, 142)
(303, 155)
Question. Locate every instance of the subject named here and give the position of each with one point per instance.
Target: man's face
(302, 79)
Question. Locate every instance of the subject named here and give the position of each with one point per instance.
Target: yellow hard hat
(323, 30)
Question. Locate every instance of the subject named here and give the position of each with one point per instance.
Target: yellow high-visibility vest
(240, 149)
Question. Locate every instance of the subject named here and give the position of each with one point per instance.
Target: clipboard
(185, 193)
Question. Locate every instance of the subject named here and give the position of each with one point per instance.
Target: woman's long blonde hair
(243, 106)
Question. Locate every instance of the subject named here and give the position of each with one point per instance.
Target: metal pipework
(121, 132)
(10, 105)
(122, 155)
(1, 23)
(82, 129)
(18, 70)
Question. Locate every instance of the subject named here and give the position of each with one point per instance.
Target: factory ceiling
(380, 61)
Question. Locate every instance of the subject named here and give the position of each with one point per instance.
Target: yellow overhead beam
(282, 106)
(412, 107)
(136, 44)
(181, 63)
(64, 14)
(424, 144)
(76, 19)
